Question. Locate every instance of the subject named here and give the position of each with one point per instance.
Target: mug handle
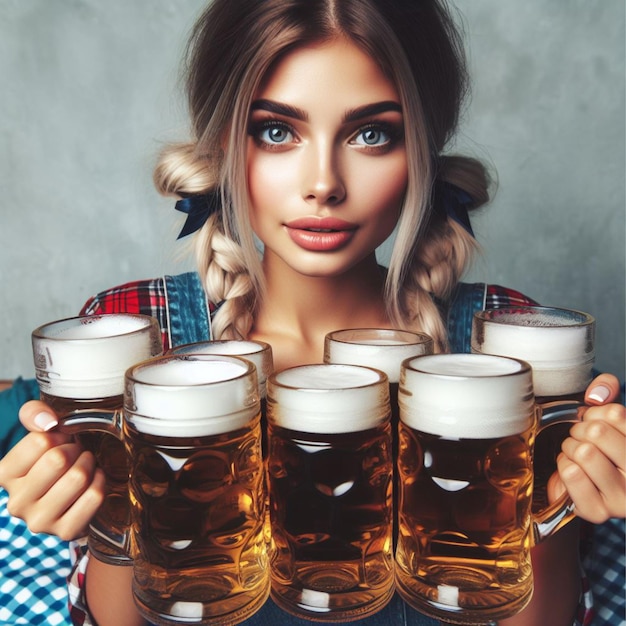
(84, 421)
(552, 517)
(92, 420)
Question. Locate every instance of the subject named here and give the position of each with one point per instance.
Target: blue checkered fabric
(33, 572)
(605, 566)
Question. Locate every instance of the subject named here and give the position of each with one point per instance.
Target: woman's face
(327, 167)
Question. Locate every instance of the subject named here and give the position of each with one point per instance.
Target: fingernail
(599, 394)
(45, 421)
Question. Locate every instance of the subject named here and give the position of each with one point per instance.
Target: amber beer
(384, 349)
(197, 488)
(80, 364)
(330, 480)
(559, 346)
(465, 467)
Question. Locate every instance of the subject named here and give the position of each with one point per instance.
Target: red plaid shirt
(148, 297)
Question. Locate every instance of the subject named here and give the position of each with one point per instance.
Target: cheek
(383, 188)
(261, 188)
(269, 182)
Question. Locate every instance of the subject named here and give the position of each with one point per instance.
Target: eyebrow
(351, 115)
(279, 108)
(375, 108)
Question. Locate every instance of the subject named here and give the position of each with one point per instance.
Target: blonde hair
(232, 47)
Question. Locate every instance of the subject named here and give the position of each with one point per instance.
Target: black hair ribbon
(198, 209)
(455, 203)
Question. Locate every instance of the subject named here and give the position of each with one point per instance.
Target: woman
(319, 129)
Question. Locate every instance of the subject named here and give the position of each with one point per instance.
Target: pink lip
(320, 234)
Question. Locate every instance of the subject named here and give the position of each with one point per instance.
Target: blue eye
(372, 137)
(275, 134)
(376, 136)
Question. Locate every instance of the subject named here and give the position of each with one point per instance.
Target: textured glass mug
(468, 424)
(559, 346)
(259, 352)
(384, 349)
(329, 469)
(197, 484)
(381, 348)
(80, 364)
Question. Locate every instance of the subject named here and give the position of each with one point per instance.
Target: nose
(323, 181)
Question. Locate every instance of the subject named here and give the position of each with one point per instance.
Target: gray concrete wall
(89, 92)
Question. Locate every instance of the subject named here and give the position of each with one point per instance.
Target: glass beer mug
(330, 483)
(197, 485)
(384, 349)
(381, 348)
(559, 346)
(468, 424)
(259, 352)
(80, 364)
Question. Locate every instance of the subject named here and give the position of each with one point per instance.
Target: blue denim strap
(187, 309)
(467, 299)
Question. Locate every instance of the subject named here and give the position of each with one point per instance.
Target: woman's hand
(53, 484)
(592, 464)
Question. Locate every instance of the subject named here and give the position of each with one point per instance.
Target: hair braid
(443, 254)
(181, 170)
(226, 281)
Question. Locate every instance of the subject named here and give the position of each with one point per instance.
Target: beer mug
(559, 346)
(80, 364)
(467, 429)
(329, 469)
(382, 348)
(197, 485)
(259, 352)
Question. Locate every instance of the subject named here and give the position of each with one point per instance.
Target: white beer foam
(199, 395)
(86, 357)
(328, 398)
(383, 354)
(561, 382)
(97, 327)
(561, 356)
(250, 350)
(468, 396)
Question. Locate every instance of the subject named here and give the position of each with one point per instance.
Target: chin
(322, 268)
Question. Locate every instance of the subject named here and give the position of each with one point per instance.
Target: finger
(613, 413)
(602, 389)
(18, 461)
(67, 465)
(605, 434)
(555, 487)
(591, 470)
(71, 503)
(25, 493)
(37, 416)
(76, 519)
(589, 503)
